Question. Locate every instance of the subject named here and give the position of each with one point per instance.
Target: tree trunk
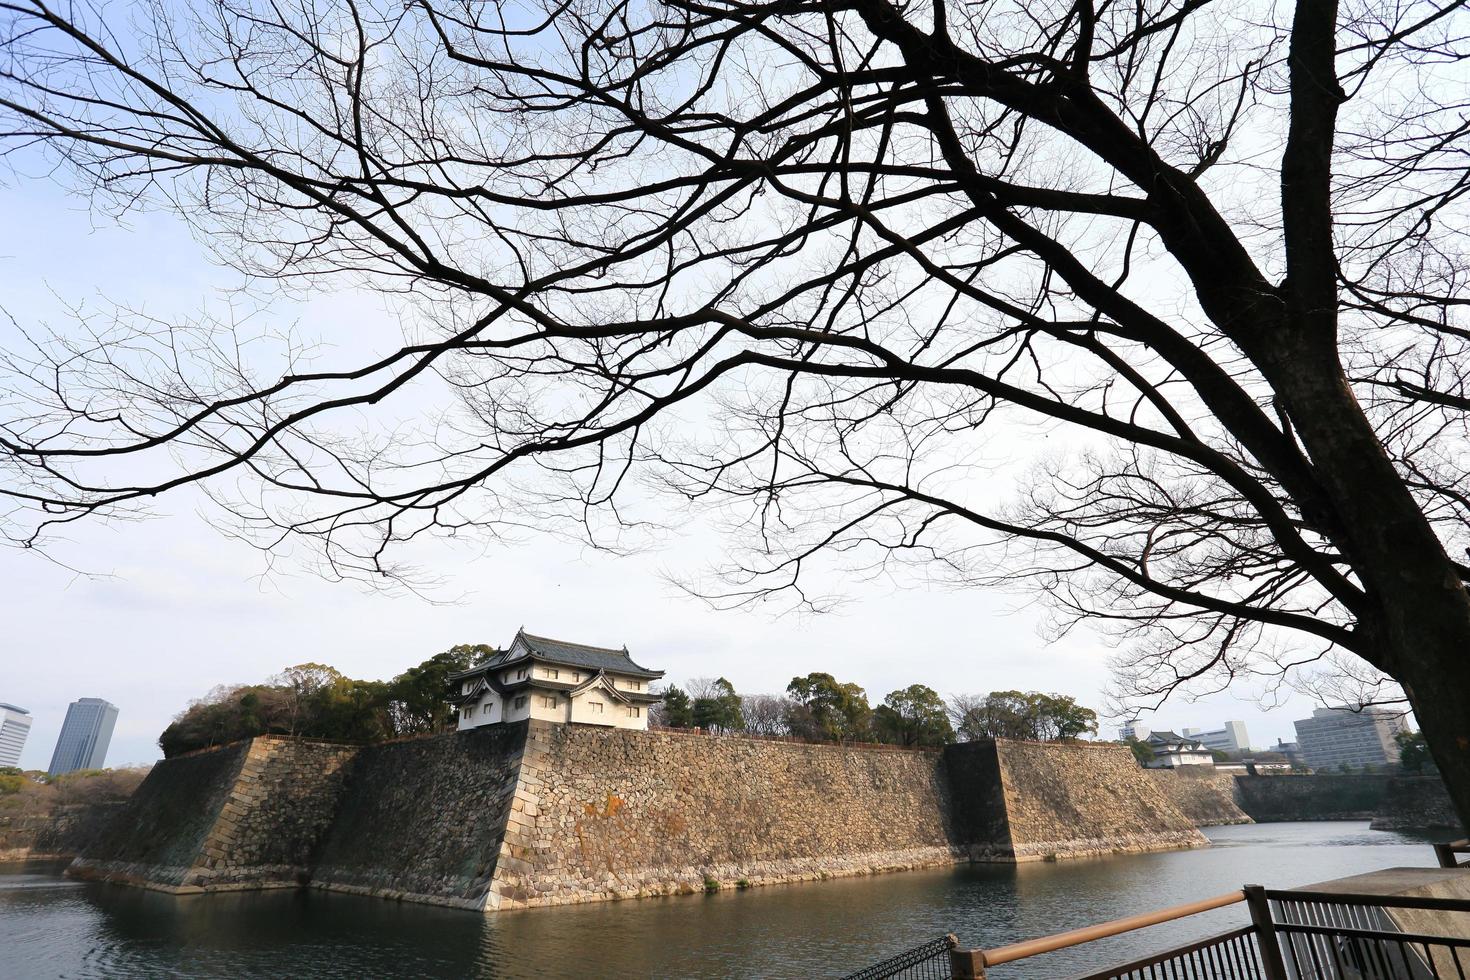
(1415, 621)
(1441, 709)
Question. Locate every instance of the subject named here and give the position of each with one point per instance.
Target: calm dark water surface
(53, 927)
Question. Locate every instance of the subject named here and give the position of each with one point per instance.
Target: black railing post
(1266, 941)
(1446, 855)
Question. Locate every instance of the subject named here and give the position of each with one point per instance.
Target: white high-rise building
(15, 725)
(1336, 737)
(1231, 738)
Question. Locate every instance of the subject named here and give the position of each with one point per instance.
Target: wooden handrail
(1062, 940)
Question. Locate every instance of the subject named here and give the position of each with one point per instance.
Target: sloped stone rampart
(1205, 796)
(161, 832)
(61, 833)
(248, 815)
(604, 814)
(1080, 799)
(424, 820)
(282, 803)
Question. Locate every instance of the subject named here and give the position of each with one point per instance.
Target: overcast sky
(181, 608)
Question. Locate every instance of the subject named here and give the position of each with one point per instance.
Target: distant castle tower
(552, 680)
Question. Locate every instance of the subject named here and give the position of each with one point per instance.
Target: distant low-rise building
(1230, 738)
(1336, 737)
(15, 725)
(1170, 751)
(85, 736)
(552, 680)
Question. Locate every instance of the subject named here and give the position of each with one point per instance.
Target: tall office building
(84, 736)
(1231, 738)
(1335, 737)
(15, 725)
(1133, 729)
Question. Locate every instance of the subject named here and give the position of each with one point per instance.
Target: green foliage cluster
(1413, 751)
(718, 708)
(913, 716)
(318, 701)
(713, 705)
(1025, 715)
(820, 708)
(12, 780)
(1142, 754)
(827, 709)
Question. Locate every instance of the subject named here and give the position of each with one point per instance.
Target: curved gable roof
(563, 653)
(583, 655)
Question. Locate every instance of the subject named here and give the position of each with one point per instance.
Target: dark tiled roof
(1170, 738)
(568, 655)
(581, 655)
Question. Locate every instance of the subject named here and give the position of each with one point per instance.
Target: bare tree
(765, 714)
(819, 260)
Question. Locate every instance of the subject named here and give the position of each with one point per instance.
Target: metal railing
(975, 961)
(1292, 935)
(1228, 956)
(1449, 854)
(1331, 936)
(926, 961)
(1208, 959)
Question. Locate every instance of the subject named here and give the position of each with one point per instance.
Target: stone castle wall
(602, 814)
(543, 814)
(248, 815)
(1083, 799)
(1416, 803)
(160, 833)
(1320, 796)
(1202, 794)
(425, 819)
(63, 832)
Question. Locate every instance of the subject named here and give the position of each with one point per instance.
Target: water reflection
(51, 927)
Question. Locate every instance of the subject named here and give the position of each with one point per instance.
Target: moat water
(51, 926)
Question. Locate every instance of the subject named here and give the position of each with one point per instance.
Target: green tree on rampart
(676, 711)
(1413, 751)
(416, 698)
(913, 716)
(716, 705)
(1142, 754)
(824, 708)
(317, 700)
(1023, 715)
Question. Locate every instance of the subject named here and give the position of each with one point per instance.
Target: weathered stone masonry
(538, 814)
(245, 816)
(1082, 799)
(424, 820)
(607, 814)
(1205, 796)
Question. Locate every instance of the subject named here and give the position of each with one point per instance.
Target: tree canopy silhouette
(822, 259)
